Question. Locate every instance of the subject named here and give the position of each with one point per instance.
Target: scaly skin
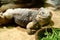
(29, 18)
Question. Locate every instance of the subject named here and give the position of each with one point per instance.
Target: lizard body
(29, 18)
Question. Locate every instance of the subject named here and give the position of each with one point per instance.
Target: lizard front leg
(31, 27)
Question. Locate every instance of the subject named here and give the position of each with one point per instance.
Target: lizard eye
(43, 13)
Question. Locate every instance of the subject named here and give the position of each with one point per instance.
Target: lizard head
(44, 15)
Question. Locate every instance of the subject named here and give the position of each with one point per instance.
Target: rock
(54, 3)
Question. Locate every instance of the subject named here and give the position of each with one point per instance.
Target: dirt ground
(17, 33)
(56, 19)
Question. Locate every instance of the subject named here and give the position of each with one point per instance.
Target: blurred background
(6, 4)
(26, 3)
(31, 3)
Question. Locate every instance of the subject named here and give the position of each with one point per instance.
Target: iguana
(29, 18)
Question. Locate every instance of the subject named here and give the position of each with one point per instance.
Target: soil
(15, 33)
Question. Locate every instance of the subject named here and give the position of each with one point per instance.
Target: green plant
(55, 35)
